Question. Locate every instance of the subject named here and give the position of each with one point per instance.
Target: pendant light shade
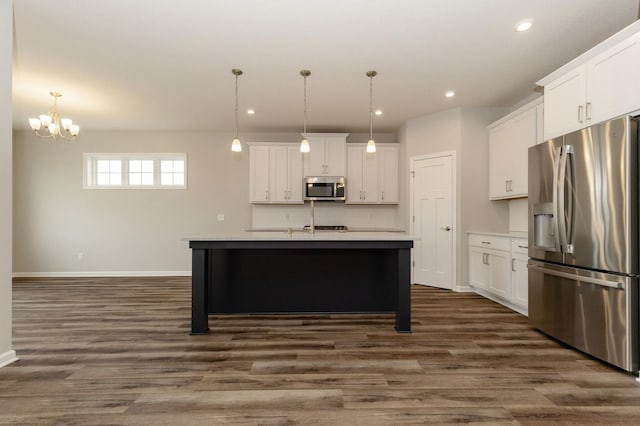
(304, 144)
(371, 145)
(236, 146)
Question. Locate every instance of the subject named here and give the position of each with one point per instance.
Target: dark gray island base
(232, 276)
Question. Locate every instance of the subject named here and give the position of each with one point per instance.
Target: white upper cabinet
(362, 175)
(613, 85)
(597, 86)
(509, 141)
(372, 178)
(564, 103)
(327, 156)
(275, 173)
(259, 174)
(388, 157)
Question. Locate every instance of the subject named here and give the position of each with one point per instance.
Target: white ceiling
(161, 64)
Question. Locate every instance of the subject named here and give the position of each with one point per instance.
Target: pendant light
(371, 145)
(304, 145)
(236, 146)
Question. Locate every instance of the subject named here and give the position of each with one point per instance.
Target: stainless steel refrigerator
(583, 240)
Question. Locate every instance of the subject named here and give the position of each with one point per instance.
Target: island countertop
(305, 236)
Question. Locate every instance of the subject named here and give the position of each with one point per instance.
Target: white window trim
(89, 173)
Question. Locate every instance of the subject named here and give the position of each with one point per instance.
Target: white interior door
(433, 220)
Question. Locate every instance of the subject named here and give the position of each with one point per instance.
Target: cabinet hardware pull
(513, 268)
(523, 247)
(506, 186)
(486, 242)
(580, 109)
(382, 195)
(266, 194)
(588, 111)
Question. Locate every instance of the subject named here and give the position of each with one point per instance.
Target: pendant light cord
(371, 107)
(236, 106)
(304, 126)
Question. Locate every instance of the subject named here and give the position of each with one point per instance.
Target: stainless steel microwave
(324, 188)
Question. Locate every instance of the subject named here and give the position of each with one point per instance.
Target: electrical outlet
(80, 256)
(286, 217)
(220, 217)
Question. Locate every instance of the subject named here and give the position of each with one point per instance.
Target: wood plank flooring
(118, 351)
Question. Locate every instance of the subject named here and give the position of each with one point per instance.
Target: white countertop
(524, 235)
(305, 236)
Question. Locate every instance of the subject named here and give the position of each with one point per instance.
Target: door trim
(454, 209)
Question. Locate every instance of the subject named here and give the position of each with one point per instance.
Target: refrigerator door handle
(590, 280)
(556, 205)
(570, 208)
(561, 206)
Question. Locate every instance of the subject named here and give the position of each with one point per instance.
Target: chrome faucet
(312, 226)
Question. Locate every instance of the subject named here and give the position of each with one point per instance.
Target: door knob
(446, 228)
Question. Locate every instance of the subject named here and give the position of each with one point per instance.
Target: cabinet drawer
(519, 246)
(489, 241)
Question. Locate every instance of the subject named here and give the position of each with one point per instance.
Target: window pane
(147, 178)
(166, 179)
(103, 178)
(115, 166)
(178, 166)
(116, 179)
(166, 166)
(178, 179)
(147, 166)
(135, 178)
(103, 166)
(135, 166)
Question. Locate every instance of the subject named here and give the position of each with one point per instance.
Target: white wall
(7, 355)
(462, 130)
(122, 231)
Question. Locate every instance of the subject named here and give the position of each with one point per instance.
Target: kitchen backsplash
(326, 213)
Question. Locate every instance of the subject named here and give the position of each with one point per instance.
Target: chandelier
(54, 126)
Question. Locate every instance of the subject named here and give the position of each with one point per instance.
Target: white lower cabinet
(498, 269)
(519, 273)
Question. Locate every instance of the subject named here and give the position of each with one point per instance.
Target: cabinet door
(499, 277)
(564, 103)
(519, 280)
(612, 81)
(500, 145)
(369, 177)
(279, 174)
(259, 174)
(523, 133)
(388, 175)
(295, 174)
(478, 268)
(354, 182)
(314, 160)
(335, 159)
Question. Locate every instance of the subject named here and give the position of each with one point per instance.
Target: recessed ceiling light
(450, 94)
(523, 25)
(251, 111)
(378, 112)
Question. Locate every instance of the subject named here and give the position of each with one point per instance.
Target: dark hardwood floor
(118, 351)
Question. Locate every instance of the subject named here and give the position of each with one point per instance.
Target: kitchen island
(300, 272)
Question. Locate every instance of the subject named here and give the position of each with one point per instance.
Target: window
(135, 171)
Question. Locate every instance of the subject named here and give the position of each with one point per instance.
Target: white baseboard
(513, 307)
(87, 274)
(7, 358)
(463, 289)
